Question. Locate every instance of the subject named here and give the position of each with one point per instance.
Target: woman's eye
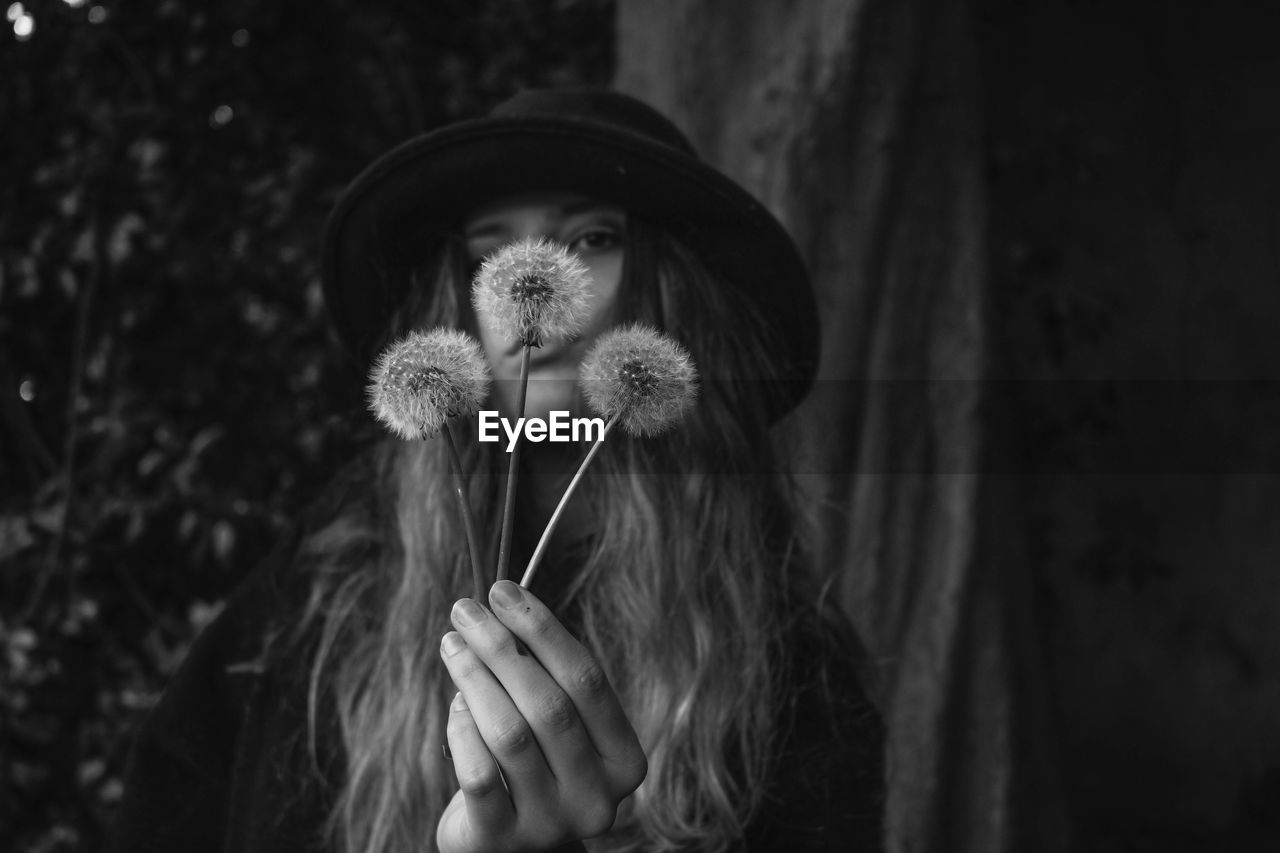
(596, 240)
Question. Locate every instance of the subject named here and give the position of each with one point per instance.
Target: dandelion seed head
(424, 379)
(531, 290)
(641, 375)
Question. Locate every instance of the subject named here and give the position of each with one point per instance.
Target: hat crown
(617, 111)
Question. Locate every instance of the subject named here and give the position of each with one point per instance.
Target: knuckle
(547, 834)
(543, 828)
(505, 645)
(627, 772)
(465, 667)
(457, 726)
(556, 712)
(589, 680)
(594, 818)
(478, 780)
(634, 772)
(512, 736)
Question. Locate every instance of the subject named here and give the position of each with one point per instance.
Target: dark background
(1134, 240)
(170, 394)
(169, 387)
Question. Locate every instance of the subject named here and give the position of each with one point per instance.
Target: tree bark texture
(859, 125)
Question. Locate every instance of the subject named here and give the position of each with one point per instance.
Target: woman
(670, 682)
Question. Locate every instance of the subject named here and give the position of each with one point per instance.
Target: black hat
(603, 144)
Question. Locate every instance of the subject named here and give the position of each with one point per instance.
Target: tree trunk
(858, 124)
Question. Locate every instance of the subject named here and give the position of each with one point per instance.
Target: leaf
(201, 613)
(111, 791)
(69, 203)
(90, 771)
(51, 518)
(187, 526)
(82, 251)
(15, 536)
(224, 539)
(206, 437)
(22, 639)
(120, 243)
(150, 461)
(147, 152)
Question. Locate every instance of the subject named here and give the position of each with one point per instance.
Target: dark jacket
(220, 764)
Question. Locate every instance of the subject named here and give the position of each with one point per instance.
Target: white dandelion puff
(424, 379)
(640, 376)
(531, 290)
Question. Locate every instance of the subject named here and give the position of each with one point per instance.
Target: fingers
(536, 712)
(578, 675)
(479, 779)
(548, 723)
(498, 723)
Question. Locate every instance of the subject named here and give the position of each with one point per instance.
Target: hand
(535, 710)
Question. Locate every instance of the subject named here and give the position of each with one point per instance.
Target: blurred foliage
(169, 392)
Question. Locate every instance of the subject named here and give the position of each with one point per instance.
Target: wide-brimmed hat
(603, 144)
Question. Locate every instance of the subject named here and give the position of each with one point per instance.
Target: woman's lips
(545, 355)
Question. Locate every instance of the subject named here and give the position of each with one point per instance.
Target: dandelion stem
(564, 500)
(464, 505)
(513, 474)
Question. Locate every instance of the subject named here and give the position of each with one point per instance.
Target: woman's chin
(544, 396)
(549, 396)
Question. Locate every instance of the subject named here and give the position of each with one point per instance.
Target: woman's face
(592, 229)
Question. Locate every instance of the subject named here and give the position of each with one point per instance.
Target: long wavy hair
(688, 602)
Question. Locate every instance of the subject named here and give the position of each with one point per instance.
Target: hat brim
(422, 187)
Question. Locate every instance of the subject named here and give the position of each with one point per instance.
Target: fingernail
(458, 704)
(452, 644)
(506, 594)
(467, 612)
